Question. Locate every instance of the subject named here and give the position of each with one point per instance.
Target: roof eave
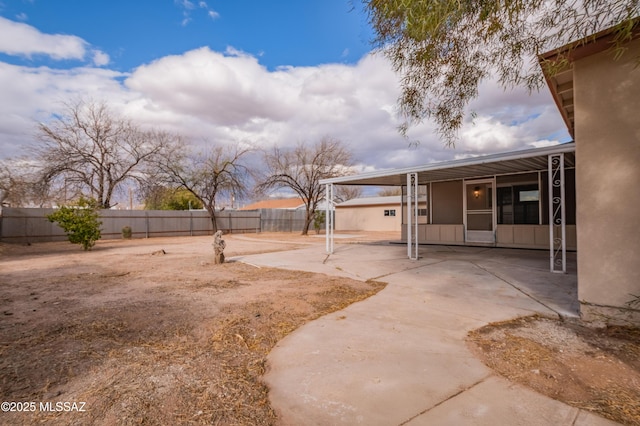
(560, 83)
(473, 161)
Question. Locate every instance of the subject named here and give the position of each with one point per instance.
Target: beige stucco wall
(509, 236)
(531, 236)
(368, 218)
(442, 234)
(607, 133)
(437, 234)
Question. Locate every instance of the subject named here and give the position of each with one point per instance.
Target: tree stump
(218, 247)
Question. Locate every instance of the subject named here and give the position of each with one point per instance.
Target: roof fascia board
(572, 52)
(387, 204)
(473, 161)
(589, 45)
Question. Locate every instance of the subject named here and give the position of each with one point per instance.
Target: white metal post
(412, 216)
(415, 216)
(329, 217)
(430, 199)
(494, 207)
(409, 230)
(557, 215)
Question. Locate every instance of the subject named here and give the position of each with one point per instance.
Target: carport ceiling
(469, 168)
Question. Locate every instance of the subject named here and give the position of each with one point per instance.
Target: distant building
(370, 214)
(283, 203)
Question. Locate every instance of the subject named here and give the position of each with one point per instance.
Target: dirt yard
(596, 370)
(150, 331)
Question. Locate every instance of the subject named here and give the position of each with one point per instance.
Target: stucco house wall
(447, 216)
(607, 133)
(369, 216)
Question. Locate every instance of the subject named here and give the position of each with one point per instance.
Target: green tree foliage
(319, 220)
(444, 49)
(163, 198)
(80, 221)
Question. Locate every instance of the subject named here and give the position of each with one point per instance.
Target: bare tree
(301, 169)
(92, 151)
(389, 191)
(218, 172)
(21, 186)
(347, 192)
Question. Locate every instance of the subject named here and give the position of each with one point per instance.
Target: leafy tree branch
(444, 49)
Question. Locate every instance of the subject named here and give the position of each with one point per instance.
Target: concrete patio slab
(400, 356)
(496, 401)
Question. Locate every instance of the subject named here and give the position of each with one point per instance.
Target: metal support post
(412, 216)
(557, 219)
(329, 217)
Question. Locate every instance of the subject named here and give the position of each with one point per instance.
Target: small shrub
(126, 232)
(318, 220)
(80, 222)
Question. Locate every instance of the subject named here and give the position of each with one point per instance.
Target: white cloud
(188, 6)
(487, 134)
(229, 97)
(185, 4)
(32, 95)
(210, 12)
(100, 58)
(20, 39)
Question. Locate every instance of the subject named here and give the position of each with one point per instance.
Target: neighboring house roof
(284, 203)
(561, 83)
(394, 200)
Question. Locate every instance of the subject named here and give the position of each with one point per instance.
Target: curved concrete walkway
(399, 357)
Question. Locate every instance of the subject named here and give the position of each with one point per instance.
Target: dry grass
(164, 355)
(615, 403)
(595, 370)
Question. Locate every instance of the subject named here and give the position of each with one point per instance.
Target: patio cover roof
(469, 168)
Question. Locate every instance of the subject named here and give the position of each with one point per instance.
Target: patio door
(479, 206)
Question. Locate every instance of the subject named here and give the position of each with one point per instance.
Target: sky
(254, 73)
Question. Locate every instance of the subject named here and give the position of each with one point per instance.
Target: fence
(27, 225)
(277, 220)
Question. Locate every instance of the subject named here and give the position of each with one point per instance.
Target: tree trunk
(307, 223)
(214, 224)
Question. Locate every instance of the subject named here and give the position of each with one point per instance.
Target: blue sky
(280, 32)
(252, 73)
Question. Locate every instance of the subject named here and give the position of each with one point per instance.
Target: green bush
(126, 232)
(318, 220)
(161, 198)
(80, 222)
